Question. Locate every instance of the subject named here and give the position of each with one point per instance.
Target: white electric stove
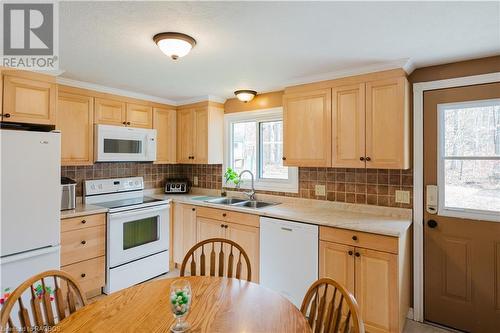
(137, 231)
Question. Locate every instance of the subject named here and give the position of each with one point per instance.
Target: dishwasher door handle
(286, 229)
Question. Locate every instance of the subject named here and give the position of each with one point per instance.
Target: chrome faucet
(250, 194)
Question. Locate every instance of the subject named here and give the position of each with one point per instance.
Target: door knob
(368, 159)
(354, 238)
(83, 275)
(361, 158)
(432, 224)
(128, 122)
(7, 115)
(357, 254)
(124, 123)
(84, 221)
(83, 242)
(350, 253)
(283, 158)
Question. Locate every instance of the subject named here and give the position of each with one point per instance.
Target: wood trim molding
(261, 101)
(200, 105)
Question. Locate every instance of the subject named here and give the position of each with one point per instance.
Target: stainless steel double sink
(241, 202)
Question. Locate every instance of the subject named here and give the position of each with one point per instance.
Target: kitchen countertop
(82, 210)
(373, 219)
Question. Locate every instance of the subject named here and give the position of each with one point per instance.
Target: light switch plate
(403, 197)
(320, 189)
(195, 181)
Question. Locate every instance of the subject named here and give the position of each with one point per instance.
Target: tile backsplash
(364, 186)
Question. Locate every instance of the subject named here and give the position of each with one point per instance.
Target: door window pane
(140, 232)
(472, 184)
(272, 150)
(122, 146)
(472, 130)
(244, 152)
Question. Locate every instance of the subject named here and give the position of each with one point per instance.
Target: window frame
(290, 185)
(465, 213)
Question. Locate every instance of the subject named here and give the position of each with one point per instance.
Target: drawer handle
(84, 221)
(83, 275)
(357, 254)
(193, 209)
(286, 229)
(354, 238)
(224, 214)
(350, 253)
(84, 242)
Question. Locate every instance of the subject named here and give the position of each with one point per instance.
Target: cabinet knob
(83, 242)
(361, 158)
(354, 238)
(225, 226)
(193, 209)
(124, 123)
(357, 254)
(7, 115)
(224, 214)
(84, 221)
(83, 275)
(128, 122)
(283, 158)
(222, 225)
(350, 253)
(368, 159)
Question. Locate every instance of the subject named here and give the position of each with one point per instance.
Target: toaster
(177, 186)
(68, 195)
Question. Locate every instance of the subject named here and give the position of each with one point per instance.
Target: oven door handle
(140, 210)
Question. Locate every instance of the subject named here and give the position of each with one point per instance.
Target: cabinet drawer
(228, 216)
(82, 244)
(89, 273)
(80, 222)
(359, 239)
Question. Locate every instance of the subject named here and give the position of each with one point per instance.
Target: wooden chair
(329, 307)
(209, 247)
(42, 295)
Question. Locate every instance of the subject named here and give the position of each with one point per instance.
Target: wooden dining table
(218, 305)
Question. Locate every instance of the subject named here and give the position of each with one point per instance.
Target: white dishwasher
(288, 257)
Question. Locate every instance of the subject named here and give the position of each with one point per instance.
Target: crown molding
(405, 64)
(114, 91)
(204, 98)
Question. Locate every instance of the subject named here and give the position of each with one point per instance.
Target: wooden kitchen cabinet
(75, 120)
(375, 268)
(307, 131)
(139, 115)
(29, 98)
(238, 227)
(184, 233)
(83, 244)
(110, 112)
(200, 133)
(164, 121)
(388, 124)
(348, 126)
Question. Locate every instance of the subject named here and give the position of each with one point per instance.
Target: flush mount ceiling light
(174, 44)
(245, 95)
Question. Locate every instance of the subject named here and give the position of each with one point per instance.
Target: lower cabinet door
(377, 289)
(184, 232)
(336, 261)
(209, 228)
(89, 274)
(248, 238)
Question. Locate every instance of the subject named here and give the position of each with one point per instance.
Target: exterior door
(462, 238)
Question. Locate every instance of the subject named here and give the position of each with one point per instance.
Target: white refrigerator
(30, 201)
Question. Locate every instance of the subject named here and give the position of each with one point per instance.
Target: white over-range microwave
(124, 144)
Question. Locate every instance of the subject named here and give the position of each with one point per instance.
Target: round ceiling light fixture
(174, 44)
(245, 95)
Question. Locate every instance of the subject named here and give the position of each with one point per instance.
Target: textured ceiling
(264, 46)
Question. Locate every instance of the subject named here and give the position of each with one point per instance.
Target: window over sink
(254, 141)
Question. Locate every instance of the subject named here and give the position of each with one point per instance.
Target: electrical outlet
(320, 190)
(403, 197)
(195, 181)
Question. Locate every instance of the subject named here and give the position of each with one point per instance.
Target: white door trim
(418, 176)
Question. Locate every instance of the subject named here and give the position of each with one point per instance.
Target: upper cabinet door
(139, 116)
(348, 126)
(201, 136)
(75, 117)
(185, 136)
(307, 120)
(387, 124)
(29, 101)
(164, 121)
(109, 112)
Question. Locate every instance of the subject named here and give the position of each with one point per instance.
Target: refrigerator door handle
(29, 254)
